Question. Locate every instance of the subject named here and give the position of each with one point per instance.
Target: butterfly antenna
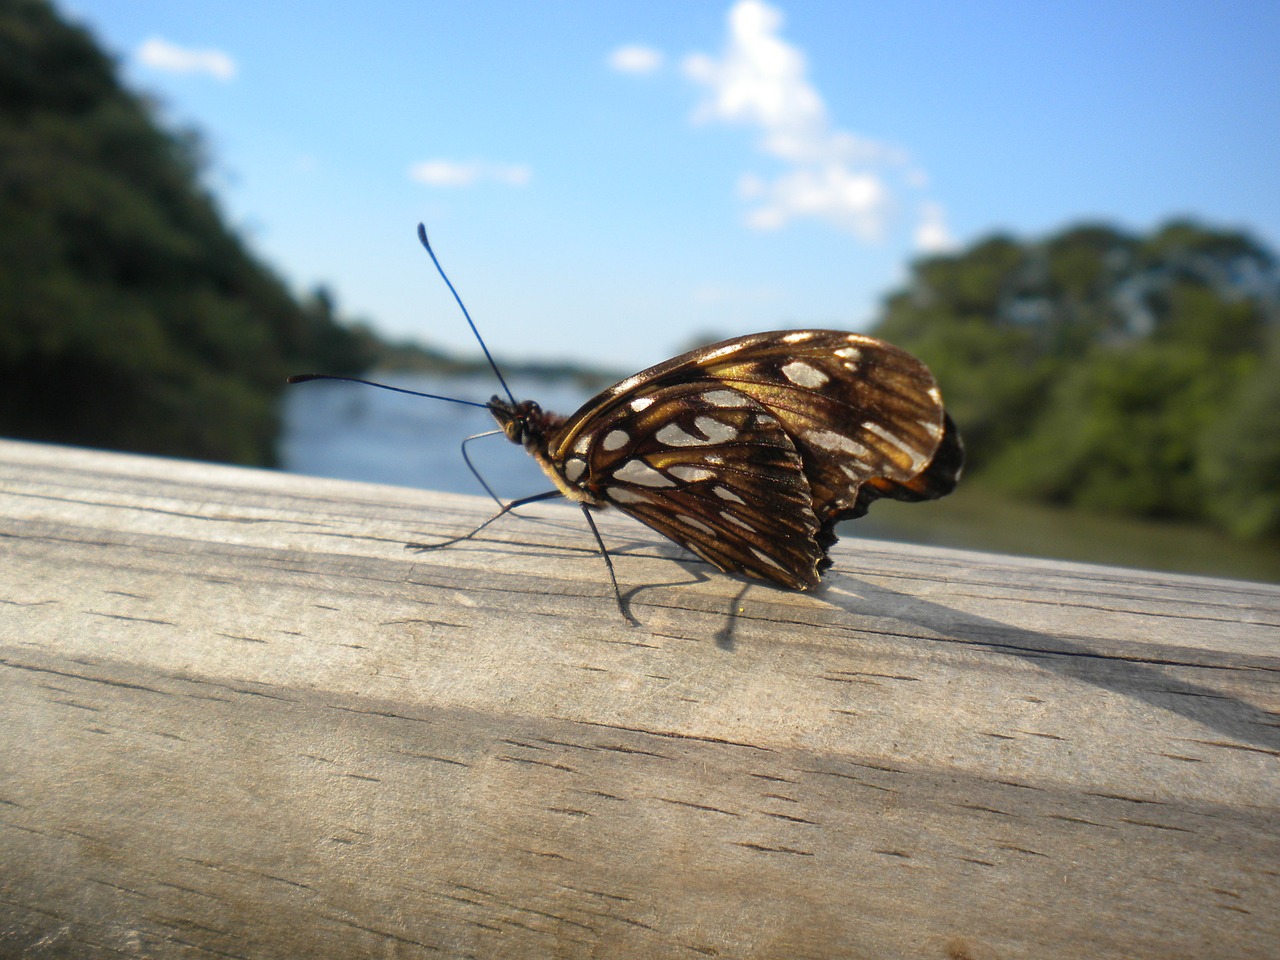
(304, 377)
(422, 237)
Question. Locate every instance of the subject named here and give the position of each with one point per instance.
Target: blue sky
(605, 181)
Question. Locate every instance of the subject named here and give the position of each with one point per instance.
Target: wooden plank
(239, 719)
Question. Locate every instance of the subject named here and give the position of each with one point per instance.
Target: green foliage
(1111, 372)
(130, 316)
(1240, 455)
(1119, 434)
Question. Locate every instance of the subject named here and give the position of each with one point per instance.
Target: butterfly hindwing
(707, 467)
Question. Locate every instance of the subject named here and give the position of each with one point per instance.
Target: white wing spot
(575, 468)
(689, 473)
(848, 353)
(935, 395)
(696, 524)
(582, 444)
(716, 432)
(724, 493)
(800, 336)
(640, 473)
(917, 458)
(769, 560)
(836, 442)
(931, 428)
(615, 439)
(727, 398)
(641, 403)
(803, 375)
(673, 436)
(623, 495)
(728, 515)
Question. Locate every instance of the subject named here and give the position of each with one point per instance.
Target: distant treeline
(130, 315)
(1108, 371)
(408, 357)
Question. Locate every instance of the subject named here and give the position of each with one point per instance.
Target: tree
(1239, 456)
(1110, 371)
(130, 315)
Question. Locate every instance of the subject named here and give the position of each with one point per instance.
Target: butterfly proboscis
(746, 452)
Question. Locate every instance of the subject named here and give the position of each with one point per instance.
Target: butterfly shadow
(641, 546)
(1145, 681)
(727, 636)
(698, 571)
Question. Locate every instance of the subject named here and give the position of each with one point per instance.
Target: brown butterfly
(746, 452)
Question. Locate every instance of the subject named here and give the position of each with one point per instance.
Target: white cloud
(162, 55)
(761, 78)
(852, 200)
(761, 81)
(932, 235)
(635, 59)
(448, 173)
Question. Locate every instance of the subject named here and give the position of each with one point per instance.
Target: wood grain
(239, 719)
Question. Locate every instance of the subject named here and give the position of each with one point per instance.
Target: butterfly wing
(804, 427)
(858, 409)
(710, 469)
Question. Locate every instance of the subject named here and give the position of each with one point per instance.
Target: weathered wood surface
(238, 719)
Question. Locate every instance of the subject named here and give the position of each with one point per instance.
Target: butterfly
(746, 452)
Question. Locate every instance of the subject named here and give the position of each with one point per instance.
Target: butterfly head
(521, 422)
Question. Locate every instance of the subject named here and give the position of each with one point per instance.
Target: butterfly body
(749, 451)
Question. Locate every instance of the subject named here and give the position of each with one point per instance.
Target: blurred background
(1070, 211)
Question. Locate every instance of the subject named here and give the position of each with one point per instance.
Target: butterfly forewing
(707, 467)
(856, 408)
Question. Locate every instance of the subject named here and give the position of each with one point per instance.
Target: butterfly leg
(550, 494)
(472, 467)
(608, 562)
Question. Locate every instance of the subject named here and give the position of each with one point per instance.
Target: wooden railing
(239, 719)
